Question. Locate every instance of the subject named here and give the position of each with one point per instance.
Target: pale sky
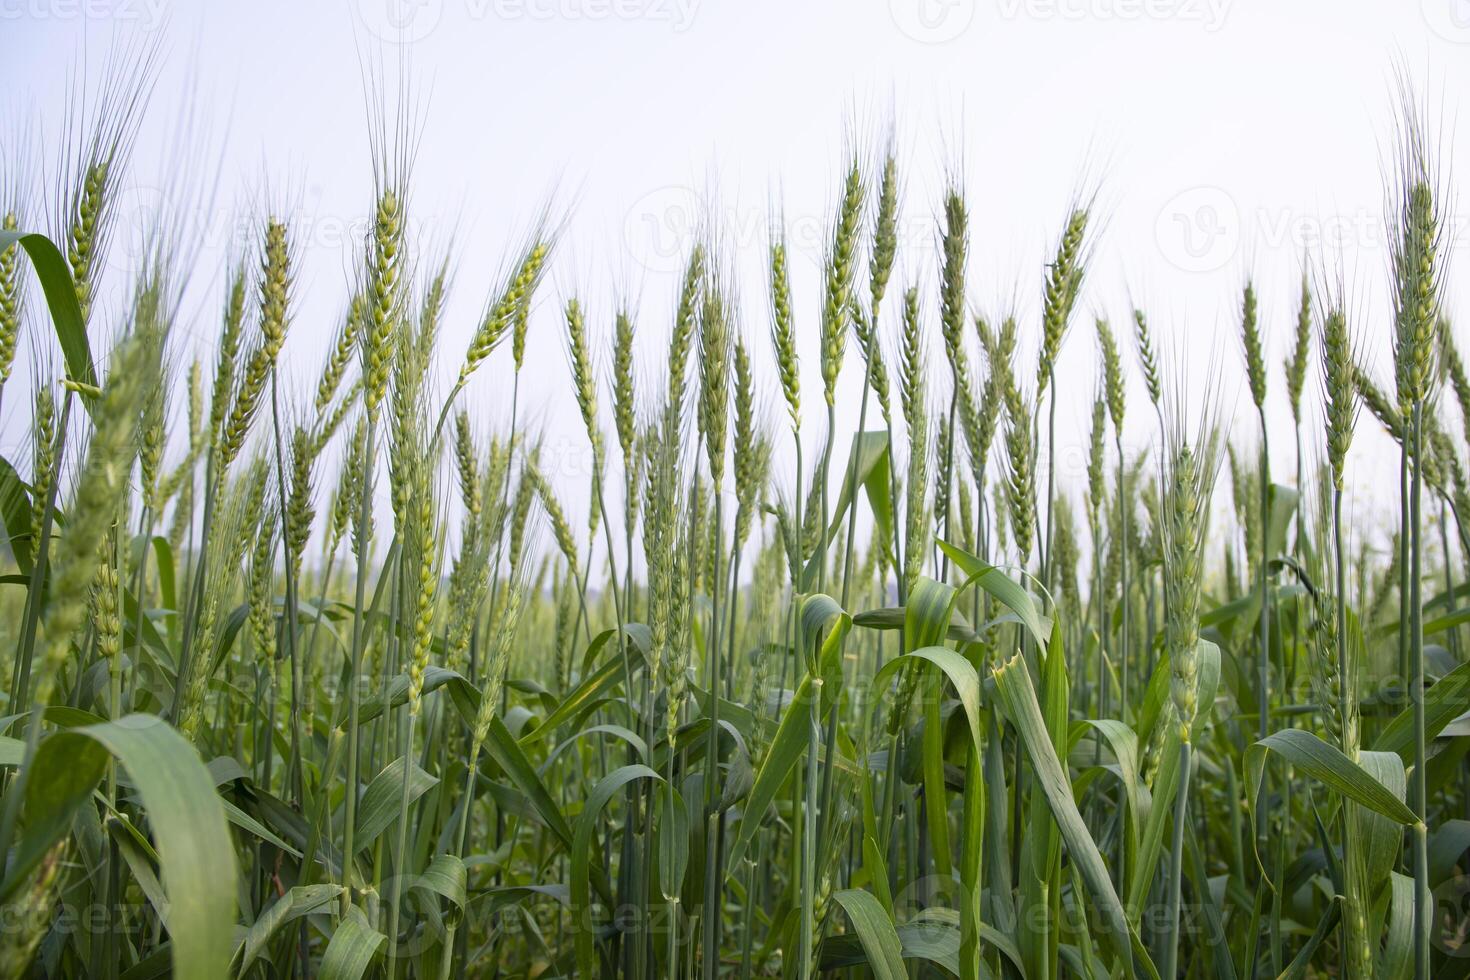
(1223, 138)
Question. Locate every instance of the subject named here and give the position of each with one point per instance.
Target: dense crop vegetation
(338, 686)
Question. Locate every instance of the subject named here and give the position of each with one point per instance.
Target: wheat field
(341, 683)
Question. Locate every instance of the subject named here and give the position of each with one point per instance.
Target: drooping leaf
(300, 901)
(875, 931)
(1003, 588)
(1325, 763)
(185, 815)
(61, 302)
(353, 947)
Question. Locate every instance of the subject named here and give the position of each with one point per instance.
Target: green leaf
(15, 511)
(1013, 683)
(966, 681)
(824, 627)
(1283, 510)
(619, 732)
(61, 300)
(192, 836)
(1003, 588)
(591, 687)
(1297, 969)
(502, 747)
(961, 674)
(673, 841)
(869, 454)
(378, 808)
(12, 751)
(926, 613)
(1443, 702)
(1124, 745)
(1380, 838)
(446, 877)
(875, 931)
(247, 823)
(1447, 844)
(877, 871)
(1397, 956)
(353, 947)
(781, 758)
(893, 618)
(1166, 781)
(582, 850)
(300, 901)
(163, 558)
(1315, 758)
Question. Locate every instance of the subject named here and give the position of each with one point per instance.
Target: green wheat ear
(783, 334)
(1020, 474)
(88, 212)
(383, 312)
(1113, 386)
(954, 247)
(10, 298)
(686, 317)
(837, 280)
(1063, 282)
(624, 401)
(1340, 384)
(1184, 544)
(1147, 358)
(43, 456)
(510, 312)
(714, 382)
(340, 356)
(229, 351)
(33, 911)
(1250, 332)
(1096, 462)
(100, 486)
(1296, 365)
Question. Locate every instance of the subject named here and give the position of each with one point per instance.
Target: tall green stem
(1123, 602)
(1176, 864)
(359, 636)
(1420, 801)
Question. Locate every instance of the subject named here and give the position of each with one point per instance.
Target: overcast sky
(1223, 138)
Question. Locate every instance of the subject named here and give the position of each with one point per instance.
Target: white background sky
(1224, 138)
